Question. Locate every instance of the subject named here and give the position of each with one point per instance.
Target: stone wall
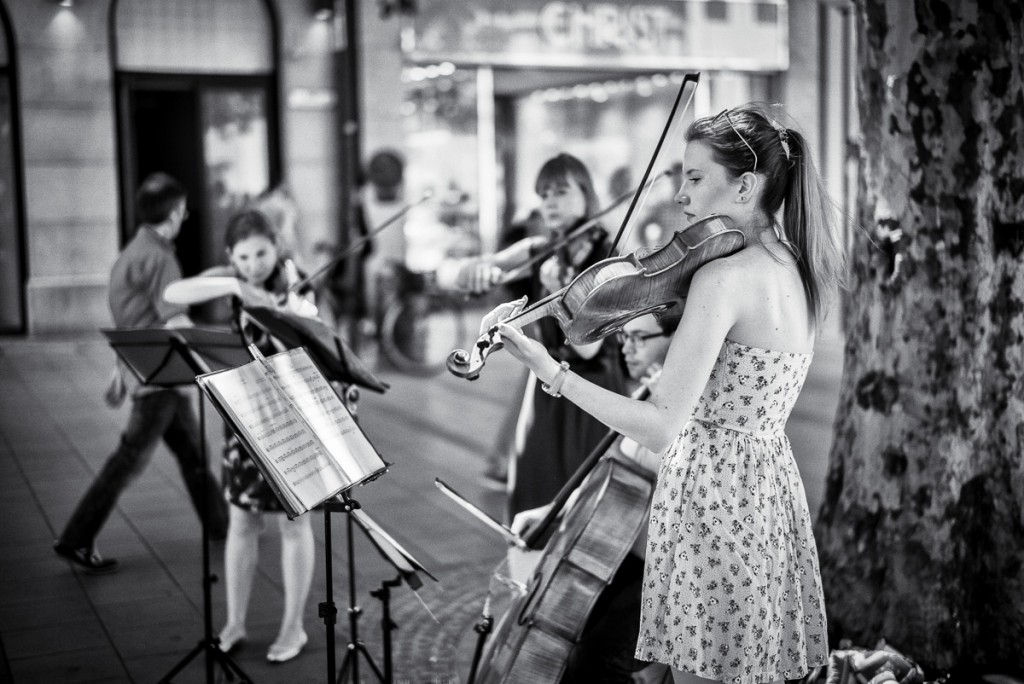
(71, 206)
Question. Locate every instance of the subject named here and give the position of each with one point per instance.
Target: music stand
(335, 358)
(173, 357)
(400, 559)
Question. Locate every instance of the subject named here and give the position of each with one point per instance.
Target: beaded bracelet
(555, 388)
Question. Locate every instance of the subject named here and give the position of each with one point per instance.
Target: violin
(589, 230)
(612, 292)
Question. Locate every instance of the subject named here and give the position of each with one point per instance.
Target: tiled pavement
(57, 625)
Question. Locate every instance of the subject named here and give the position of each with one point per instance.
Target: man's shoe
(88, 560)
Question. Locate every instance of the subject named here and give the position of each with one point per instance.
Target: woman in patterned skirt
(263, 279)
(731, 586)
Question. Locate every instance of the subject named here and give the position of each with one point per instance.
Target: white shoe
(231, 637)
(280, 652)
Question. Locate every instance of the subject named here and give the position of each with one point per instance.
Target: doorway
(217, 135)
(165, 137)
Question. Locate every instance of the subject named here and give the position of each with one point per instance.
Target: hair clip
(783, 136)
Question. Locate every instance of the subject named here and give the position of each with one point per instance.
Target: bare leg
(241, 553)
(297, 558)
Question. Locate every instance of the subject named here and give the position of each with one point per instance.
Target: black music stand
(173, 357)
(403, 562)
(338, 362)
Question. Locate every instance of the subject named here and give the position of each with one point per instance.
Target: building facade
(461, 99)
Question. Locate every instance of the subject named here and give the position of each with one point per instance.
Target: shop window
(767, 12)
(235, 155)
(717, 10)
(439, 111)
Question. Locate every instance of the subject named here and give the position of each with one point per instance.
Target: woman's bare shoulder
(731, 269)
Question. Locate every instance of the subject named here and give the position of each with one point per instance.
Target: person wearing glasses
(604, 652)
(732, 589)
(144, 267)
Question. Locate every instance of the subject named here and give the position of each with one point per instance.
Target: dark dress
(562, 435)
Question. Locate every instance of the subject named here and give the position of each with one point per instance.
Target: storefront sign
(657, 34)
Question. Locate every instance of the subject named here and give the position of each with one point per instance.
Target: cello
(537, 633)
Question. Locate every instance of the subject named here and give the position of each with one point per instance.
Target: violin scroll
(467, 365)
(459, 365)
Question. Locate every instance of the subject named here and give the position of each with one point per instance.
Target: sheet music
(299, 377)
(290, 448)
(295, 426)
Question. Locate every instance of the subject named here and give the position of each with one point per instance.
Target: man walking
(137, 281)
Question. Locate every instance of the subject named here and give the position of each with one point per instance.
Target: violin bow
(520, 270)
(644, 190)
(358, 243)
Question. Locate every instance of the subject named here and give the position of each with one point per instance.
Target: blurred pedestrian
(146, 265)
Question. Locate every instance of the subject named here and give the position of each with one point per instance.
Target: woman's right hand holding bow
(478, 275)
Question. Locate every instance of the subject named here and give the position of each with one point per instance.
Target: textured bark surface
(921, 531)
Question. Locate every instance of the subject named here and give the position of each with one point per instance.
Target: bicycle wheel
(418, 332)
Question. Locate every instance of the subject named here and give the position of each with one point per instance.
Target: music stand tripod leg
(209, 645)
(387, 625)
(355, 647)
(327, 609)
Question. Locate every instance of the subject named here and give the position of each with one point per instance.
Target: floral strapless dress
(732, 590)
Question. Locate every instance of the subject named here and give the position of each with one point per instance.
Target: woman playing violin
(263, 279)
(732, 590)
(559, 435)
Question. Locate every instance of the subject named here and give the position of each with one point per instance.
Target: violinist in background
(605, 651)
(552, 437)
(732, 590)
(262, 277)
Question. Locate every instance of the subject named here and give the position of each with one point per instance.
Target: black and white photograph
(512, 341)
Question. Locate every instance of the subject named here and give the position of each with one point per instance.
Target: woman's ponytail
(811, 224)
